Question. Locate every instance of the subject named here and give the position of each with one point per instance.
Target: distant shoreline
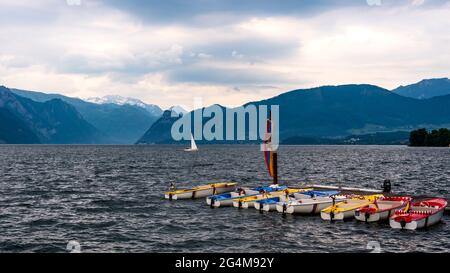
(212, 144)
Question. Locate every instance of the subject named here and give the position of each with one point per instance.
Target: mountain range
(23, 120)
(122, 123)
(340, 111)
(425, 89)
(346, 113)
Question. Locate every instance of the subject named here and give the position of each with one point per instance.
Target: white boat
(310, 205)
(200, 191)
(382, 209)
(421, 214)
(193, 147)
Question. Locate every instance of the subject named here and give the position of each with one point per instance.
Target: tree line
(435, 138)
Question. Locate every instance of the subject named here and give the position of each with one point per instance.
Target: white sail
(193, 144)
(194, 147)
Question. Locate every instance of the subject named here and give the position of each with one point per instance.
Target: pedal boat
(421, 214)
(200, 191)
(381, 209)
(346, 209)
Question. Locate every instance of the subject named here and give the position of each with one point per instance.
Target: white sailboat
(193, 147)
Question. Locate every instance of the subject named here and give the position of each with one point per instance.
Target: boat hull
(220, 203)
(303, 208)
(265, 207)
(417, 224)
(374, 217)
(243, 205)
(199, 193)
(337, 215)
(269, 207)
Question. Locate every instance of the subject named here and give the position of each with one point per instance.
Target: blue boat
(226, 199)
(271, 203)
(267, 204)
(312, 194)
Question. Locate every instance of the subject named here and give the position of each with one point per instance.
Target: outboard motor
(387, 186)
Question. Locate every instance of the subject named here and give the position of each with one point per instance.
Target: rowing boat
(381, 209)
(226, 199)
(200, 191)
(249, 202)
(346, 209)
(420, 215)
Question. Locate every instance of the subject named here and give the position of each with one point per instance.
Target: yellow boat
(200, 191)
(249, 202)
(346, 209)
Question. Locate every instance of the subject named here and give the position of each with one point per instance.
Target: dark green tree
(444, 137)
(432, 139)
(435, 138)
(418, 137)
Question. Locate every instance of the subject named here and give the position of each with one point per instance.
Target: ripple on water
(109, 198)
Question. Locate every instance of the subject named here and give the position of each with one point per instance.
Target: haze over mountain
(425, 89)
(25, 121)
(340, 111)
(121, 123)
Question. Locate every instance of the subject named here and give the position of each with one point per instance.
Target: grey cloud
(184, 11)
(224, 76)
(251, 49)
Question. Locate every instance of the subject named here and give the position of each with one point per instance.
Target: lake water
(109, 198)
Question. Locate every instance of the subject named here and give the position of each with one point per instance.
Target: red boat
(382, 209)
(421, 214)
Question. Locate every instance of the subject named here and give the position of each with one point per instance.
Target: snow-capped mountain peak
(177, 110)
(115, 99)
(119, 100)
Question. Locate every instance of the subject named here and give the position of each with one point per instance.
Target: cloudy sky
(224, 51)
